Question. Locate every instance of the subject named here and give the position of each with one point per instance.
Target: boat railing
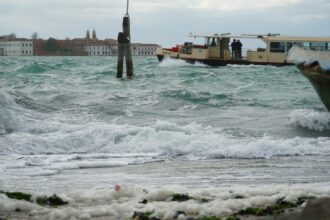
(240, 55)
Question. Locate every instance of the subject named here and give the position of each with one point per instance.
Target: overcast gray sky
(166, 22)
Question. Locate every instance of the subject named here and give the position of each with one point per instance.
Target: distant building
(94, 35)
(144, 49)
(101, 48)
(88, 36)
(16, 47)
(53, 47)
(107, 47)
(87, 46)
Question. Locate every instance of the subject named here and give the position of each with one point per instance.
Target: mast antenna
(127, 7)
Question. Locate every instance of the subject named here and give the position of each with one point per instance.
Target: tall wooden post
(127, 46)
(124, 48)
(120, 62)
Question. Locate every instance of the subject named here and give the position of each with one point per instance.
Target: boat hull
(320, 80)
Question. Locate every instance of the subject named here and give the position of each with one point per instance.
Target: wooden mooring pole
(120, 62)
(124, 48)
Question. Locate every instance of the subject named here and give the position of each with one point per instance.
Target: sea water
(68, 126)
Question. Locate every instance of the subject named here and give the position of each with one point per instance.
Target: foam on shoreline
(121, 204)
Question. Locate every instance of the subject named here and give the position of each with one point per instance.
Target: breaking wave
(15, 118)
(86, 122)
(72, 117)
(310, 119)
(8, 119)
(162, 138)
(299, 55)
(168, 62)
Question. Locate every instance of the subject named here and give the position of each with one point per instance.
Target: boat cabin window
(277, 47)
(306, 45)
(319, 45)
(188, 44)
(213, 43)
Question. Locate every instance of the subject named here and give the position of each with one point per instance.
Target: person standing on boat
(234, 48)
(239, 49)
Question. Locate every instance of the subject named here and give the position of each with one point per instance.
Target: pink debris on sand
(117, 187)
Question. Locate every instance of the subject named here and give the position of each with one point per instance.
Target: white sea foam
(42, 172)
(121, 204)
(168, 62)
(299, 55)
(250, 66)
(2, 168)
(7, 122)
(10, 205)
(87, 164)
(310, 119)
(16, 164)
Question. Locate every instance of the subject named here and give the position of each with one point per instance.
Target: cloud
(163, 21)
(237, 5)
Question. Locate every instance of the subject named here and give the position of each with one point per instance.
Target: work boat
(219, 49)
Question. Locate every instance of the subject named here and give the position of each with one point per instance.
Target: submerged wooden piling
(120, 62)
(124, 48)
(127, 46)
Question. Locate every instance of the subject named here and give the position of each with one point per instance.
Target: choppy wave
(198, 97)
(60, 117)
(299, 55)
(162, 138)
(84, 103)
(14, 118)
(310, 119)
(33, 68)
(8, 117)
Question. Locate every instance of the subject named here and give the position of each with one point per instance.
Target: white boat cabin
(219, 47)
